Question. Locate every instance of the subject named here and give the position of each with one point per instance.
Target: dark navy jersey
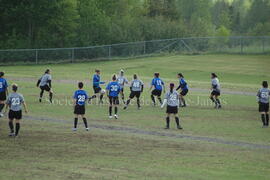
(183, 84)
(96, 80)
(3, 85)
(81, 97)
(113, 88)
(157, 83)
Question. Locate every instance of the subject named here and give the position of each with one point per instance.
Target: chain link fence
(229, 45)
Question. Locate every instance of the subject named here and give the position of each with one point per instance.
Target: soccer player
(215, 90)
(14, 103)
(113, 90)
(45, 84)
(158, 85)
(263, 100)
(79, 98)
(3, 92)
(172, 101)
(96, 86)
(184, 90)
(136, 88)
(122, 80)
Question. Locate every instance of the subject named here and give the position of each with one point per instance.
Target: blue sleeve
(108, 86)
(101, 82)
(86, 95)
(153, 82)
(162, 82)
(6, 84)
(75, 95)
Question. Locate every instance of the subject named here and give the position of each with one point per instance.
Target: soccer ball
(103, 91)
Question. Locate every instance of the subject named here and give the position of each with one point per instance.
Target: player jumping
(263, 100)
(80, 97)
(122, 80)
(113, 90)
(3, 92)
(172, 101)
(184, 90)
(136, 88)
(14, 103)
(215, 90)
(45, 83)
(96, 86)
(158, 85)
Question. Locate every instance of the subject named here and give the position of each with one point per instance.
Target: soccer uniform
(96, 83)
(263, 99)
(172, 102)
(114, 89)
(81, 97)
(45, 82)
(136, 88)
(157, 83)
(184, 87)
(14, 101)
(3, 88)
(215, 87)
(122, 81)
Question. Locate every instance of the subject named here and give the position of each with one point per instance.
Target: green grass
(49, 150)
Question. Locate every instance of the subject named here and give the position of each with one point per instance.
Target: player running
(14, 104)
(158, 85)
(122, 80)
(113, 90)
(263, 100)
(184, 90)
(172, 101)
(96, 86)
(215, 90)
(3, 92)
(136, 88)
(45, 84)
(79, 98)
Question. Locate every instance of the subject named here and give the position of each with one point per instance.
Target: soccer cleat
(40, 100)
(115, 116)
(87, 129)
(125, 107)
(167, 127)
(219, 106)
(74, 129)
(11, 134)
(50, 100)
(179, 127)
(110, 117)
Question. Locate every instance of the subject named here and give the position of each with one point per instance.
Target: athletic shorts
(172, 109)
(263, 107)
(215, 93)
(45, 87)
(136, 94)
(96, 89)
(114, 100)
(184, 92)
(3, 96)
(156, 92)
(79, 109)
(15, 114)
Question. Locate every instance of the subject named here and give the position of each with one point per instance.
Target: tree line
(75, 23)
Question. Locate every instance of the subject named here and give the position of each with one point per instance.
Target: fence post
(241, 43)
(36, 56)
(72, 55)
(110, 51)
(144, 47)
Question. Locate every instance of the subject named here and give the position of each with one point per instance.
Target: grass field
(215, 144)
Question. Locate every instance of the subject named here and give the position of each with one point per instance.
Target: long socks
(85, 122)
(115, 110)
(263, 119)
(167, 122)
(110, 110)
(153, 99)
(17, 129)
(11, 127)
(2, 107)
(75, 122)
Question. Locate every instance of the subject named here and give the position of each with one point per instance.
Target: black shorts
(114, 100)
(15, 114)
(263, 107)
(79, 109)
(136, 94)
(156, 92)
(97, 89)
(3, 96)
(172, 109)
(184, 92)
(45, 87)
(215, 93)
